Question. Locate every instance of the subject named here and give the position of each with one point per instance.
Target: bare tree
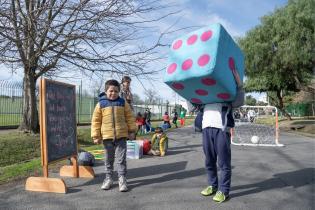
(46, 37)
(151, 96)
(137, 99)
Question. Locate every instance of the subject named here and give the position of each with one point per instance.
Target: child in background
(175, 116)
(182, 117)
(159, 143)
(140, 121)
(125, 91)
(112, 123)
(147, 116)
(166, 119)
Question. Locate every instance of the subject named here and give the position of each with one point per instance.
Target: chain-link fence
(11, 105)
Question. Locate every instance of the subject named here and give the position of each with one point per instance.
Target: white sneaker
(122, 182)
(153, 152)
(107, 183)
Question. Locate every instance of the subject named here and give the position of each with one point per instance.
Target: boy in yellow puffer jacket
(112, 123)
(159, 143)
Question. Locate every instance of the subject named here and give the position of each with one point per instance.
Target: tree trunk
(281, 105)
(30, 121)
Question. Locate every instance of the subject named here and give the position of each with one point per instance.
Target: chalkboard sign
(58, 117)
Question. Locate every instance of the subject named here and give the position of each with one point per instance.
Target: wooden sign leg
(45, 171)
(77, 171)
(45, 184)
(74, 161)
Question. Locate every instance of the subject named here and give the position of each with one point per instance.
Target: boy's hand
(162, 154)
(132, 136)
(97, 141)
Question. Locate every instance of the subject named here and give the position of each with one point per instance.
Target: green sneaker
(208, 191)
(220, 197)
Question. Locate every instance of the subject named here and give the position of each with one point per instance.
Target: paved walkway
(263, 178)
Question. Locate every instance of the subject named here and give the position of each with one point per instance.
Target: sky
(237, 17)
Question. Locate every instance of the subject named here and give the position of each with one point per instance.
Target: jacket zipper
(114, 124)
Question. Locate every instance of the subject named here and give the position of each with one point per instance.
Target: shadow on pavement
(142, 172)
(156, 169)
(184, 132)
(184, 147)
(169, 177)
(172, 152)
(294, 178)
(73, 190)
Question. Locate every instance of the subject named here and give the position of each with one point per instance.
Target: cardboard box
(134, 149)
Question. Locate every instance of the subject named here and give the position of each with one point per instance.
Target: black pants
(175, 121)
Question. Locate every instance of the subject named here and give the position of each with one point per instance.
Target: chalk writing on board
(60, 120)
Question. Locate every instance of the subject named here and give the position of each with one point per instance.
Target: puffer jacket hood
(102, 95)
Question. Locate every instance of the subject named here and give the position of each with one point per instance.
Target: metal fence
(11, 105)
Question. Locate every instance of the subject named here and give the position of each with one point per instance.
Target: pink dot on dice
(203, 60)
(196, 101)
(192, 39)
(208, 81)
(223, 96)
(201, 92)
(171, 68)
(206, 35)
(231, 63)
(178, 86)
(187, 64)
(177, 44)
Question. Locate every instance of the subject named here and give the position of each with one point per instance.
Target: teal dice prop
(200, 66)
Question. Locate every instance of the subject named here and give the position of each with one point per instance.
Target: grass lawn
(20, 170)
(20, 152)
(10, 119)
(266, 121)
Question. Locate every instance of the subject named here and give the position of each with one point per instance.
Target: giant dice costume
(200, 66)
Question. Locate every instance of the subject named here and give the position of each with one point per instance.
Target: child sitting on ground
(159, 143)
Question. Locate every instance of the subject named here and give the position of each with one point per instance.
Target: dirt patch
(300, 126)
(309, 129)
